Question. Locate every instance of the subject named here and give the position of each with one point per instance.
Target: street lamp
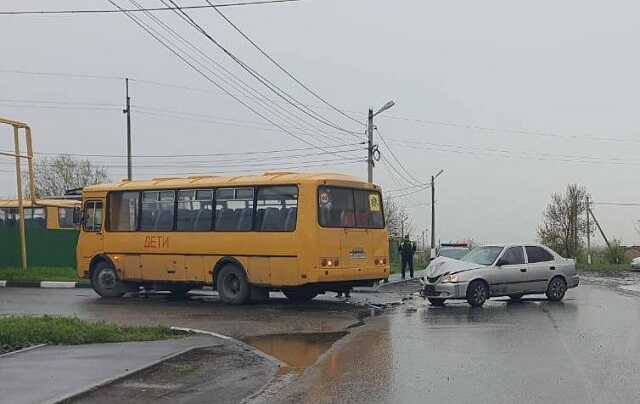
(433, 209)
(370, 146)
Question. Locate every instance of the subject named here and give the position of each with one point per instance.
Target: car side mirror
(501, 262)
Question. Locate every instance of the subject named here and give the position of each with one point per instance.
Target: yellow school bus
(301, 233)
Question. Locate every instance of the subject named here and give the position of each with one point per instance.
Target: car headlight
(453, 278)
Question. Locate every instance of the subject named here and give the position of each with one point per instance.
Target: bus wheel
(105, 282)
(232, 285)
(300, 295)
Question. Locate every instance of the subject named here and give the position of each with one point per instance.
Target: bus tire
(105, 282)
(232, 285)
(300, 295)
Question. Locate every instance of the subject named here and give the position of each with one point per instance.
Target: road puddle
(296, 350)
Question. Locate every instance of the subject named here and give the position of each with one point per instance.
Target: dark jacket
(407, 249)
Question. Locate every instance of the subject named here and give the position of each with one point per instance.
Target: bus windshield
(349, 207)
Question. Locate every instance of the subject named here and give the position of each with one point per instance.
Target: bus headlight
(380, 261)
(329, 262)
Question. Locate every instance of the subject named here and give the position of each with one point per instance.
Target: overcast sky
(513, 100)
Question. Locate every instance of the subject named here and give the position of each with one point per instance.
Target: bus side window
(234, 209)
(277, 208)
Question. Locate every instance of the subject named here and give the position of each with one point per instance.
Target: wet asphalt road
(277, 316)
(584, 350)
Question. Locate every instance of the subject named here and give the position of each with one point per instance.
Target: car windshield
(455, 253)
(482, 255)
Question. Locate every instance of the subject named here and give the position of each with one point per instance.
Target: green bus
(51, 231)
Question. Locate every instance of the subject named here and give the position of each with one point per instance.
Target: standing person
(407, 248)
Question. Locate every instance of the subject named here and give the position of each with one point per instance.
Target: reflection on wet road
(296, 350)
(585, 349)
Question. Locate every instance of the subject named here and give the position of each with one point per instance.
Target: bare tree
(53, 176)
(398, 220)
(564, 221)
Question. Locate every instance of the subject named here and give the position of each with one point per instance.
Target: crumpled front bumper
(442, 290)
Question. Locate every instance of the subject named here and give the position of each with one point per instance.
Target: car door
(511, 272)
(542, 266)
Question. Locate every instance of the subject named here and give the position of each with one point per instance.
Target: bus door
(92, 235)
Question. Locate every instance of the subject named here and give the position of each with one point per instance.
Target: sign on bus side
(156, 242)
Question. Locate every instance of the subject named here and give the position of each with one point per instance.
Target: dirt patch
(222, 374)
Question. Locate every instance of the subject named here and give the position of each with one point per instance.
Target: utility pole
(433, 209)
(433, 214)
(370, 148)
(127, 111)
(600, 229)
(588, 233)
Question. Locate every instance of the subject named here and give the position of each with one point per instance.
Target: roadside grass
(17, 332)
(37, 274)
(603, 268)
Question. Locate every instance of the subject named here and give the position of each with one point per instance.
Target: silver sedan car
(510, 270)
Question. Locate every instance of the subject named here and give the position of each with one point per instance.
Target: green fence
(49, 248)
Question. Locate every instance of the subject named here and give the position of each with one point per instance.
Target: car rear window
(538, 254)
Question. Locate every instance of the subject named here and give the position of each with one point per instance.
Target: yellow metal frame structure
(29, 156)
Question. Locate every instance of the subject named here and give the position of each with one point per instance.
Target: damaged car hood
(444, 265)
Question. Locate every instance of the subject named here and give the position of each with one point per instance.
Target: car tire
(436, 302)
(232, 285)
(477, 293)
(105, 281)
(516, 298)
(300, 295)
(556, 289)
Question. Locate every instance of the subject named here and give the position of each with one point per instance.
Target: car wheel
(105, 282)
(515, 298)
(556, 289)
(232, 285)
(477, 293)
(300, 295)
(436, 302)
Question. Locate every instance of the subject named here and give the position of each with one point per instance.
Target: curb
(43, 284)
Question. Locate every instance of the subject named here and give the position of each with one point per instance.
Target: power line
(181, 53)
(510, 131)
(67, 75)
(513, 154)
(245, 153)
(260, 78)
(283, 69)
(103, 11)
(192, 66)
(417, 181)
(231, 79)
(619, 204)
